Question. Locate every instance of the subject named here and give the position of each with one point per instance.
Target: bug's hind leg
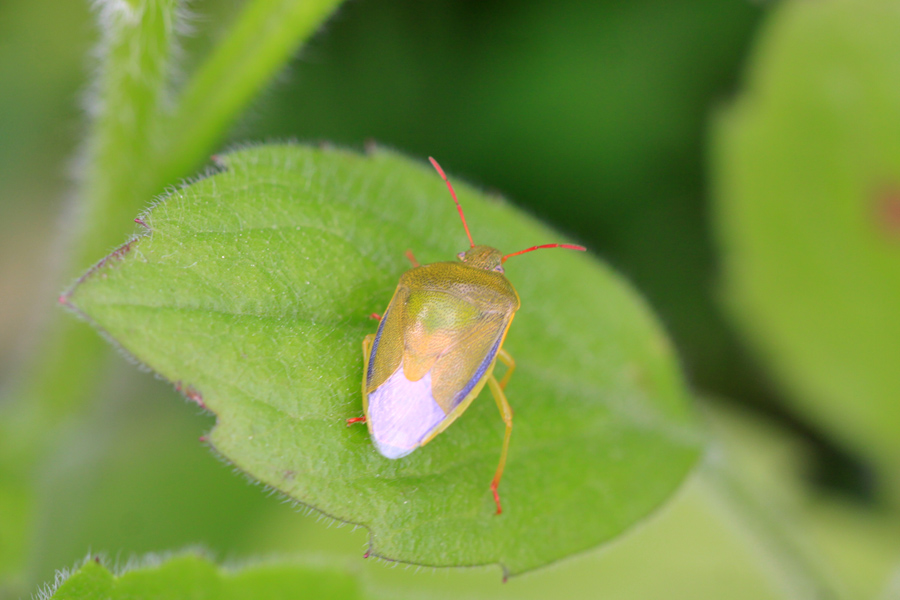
(507, 413)
(367, 351)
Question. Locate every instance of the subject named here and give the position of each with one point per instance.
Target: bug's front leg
(367, 352)
(507, 413)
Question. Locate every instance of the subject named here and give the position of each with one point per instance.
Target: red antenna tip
(440, 171)
(435, 164)
(569, 246)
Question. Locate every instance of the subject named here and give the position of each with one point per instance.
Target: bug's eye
(499, 269)
(461, 256)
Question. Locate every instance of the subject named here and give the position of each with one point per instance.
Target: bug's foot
(355, 420)
(496, 497)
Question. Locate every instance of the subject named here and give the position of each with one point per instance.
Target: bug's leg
(507, 359)
(507, 413)
(367, 350)
(412, 258)
(375, 316)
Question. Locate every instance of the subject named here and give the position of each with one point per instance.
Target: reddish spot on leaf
(888, 212)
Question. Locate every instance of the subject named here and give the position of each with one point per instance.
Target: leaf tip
(116, 254)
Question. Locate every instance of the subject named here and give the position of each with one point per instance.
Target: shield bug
(436, 347)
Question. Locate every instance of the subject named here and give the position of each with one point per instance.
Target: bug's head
(483, 257)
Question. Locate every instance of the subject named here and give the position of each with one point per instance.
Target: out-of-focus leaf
(134, 479)
(251, 290)
(763, 470)
(194, 577)
(807, 166)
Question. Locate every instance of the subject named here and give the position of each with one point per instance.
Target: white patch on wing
(402, 413)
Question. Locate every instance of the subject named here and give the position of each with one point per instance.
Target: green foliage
(252, 289)
(818, 545)
(599, 104)
(195, 577)
(136, 44)
(259, 42)
(136, 480)
(138, 40)
(145, 136)
(808, 174)
(131, 153)
(146, 488)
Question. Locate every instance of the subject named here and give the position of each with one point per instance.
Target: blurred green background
(594, 116)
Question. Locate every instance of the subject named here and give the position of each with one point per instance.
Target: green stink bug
(436, 347)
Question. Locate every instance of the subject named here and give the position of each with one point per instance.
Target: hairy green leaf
(195, 577)
(808, 173)
(251, 290)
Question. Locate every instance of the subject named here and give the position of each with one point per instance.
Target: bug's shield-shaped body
(434, 350)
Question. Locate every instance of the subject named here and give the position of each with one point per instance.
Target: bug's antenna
(569, 246)
(435, 164)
